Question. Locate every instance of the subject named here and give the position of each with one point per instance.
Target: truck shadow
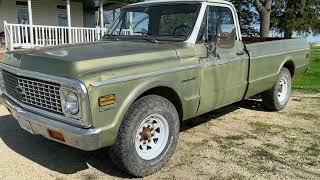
(250, 104)
(67, 160)
(54, 156)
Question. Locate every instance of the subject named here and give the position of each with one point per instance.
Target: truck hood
(74, 61)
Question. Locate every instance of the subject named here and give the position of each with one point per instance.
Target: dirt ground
(241, 141)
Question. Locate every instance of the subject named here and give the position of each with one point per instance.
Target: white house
(32, 23)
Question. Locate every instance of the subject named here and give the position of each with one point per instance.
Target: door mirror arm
(211, 49)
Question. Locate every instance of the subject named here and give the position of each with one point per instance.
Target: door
(224, 73)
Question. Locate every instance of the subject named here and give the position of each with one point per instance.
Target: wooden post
(8, 37)
(130, 22)
(30, 23)
(69, 22)
(101, 19)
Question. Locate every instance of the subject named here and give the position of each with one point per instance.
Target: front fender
(109, 120)
(138, 91)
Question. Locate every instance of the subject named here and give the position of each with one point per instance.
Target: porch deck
(30, 36)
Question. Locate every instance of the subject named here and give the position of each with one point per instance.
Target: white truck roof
(173, 1)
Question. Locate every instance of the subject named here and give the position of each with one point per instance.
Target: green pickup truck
(161, 62)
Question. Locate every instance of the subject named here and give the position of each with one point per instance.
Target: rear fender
(286, 60)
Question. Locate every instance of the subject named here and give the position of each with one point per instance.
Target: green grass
(311, 80)
(307, 116)
(262, 128)
(313, 150)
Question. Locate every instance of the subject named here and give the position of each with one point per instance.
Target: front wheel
(147, 137)
(277, 98)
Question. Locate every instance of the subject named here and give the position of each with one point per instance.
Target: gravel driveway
(240, 141)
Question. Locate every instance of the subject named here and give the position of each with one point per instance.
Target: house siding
(76, 9)
(44, 12)
(8, 12)
(89, 19)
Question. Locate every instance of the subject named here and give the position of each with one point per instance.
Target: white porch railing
(29, 36)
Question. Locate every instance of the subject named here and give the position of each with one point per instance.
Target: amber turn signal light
(56, 135)
(107, 100)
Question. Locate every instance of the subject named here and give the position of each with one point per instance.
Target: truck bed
(268, 55)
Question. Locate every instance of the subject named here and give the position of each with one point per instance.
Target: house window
(62, 15)
(22, 12)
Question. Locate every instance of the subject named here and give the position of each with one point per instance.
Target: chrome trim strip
(76, 84)
(139, 76)
(277, 54)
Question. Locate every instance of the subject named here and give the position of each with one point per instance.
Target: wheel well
(169, 94)
(290, 66)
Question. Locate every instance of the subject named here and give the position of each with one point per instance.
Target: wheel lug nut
(144, 142)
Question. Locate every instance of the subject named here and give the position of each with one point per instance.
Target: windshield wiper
(150, 38)
(112, 36)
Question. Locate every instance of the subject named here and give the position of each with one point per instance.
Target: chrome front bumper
(85, 139)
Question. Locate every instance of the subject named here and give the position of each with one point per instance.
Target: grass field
(311, 80)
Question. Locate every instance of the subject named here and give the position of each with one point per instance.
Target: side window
(221, 27)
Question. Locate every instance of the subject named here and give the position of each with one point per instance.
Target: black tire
(124, 154)
(270, 98)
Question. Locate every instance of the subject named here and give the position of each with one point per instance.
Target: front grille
(40, 94)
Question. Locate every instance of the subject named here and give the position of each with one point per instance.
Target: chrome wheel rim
(282, 90)
(152, 136)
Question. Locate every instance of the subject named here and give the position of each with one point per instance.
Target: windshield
(159, 21)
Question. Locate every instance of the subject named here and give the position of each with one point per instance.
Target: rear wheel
(277, 98)
(147, 137)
